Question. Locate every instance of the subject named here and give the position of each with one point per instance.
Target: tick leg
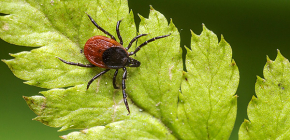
(95, 77)
(133, 40)
(100, 28)
(114, 79)
(77, 64)
(146, 42)
(118, 32)
(123, 89)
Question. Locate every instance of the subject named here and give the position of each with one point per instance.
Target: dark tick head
(133, 63)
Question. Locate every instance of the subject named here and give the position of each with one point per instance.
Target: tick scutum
(115, 57)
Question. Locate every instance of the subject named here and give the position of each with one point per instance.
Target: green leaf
(157, 82)
(60, 34)
(165, 102)
(208, 104)
(140, 127)
(269, 112)
(57, 33)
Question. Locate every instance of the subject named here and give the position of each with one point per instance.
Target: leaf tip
(245, 125)
(260, 81)
(184, 72)
(63, 137)
(204, 27)
(25, 98)
(278, 51)
(62, 129)
(236, 96)
(193, 35)
(269, 61)
(246, 121)
(185, 76)
(186, 49)
(259, 78)
(222, 38)
(279, 55)
(11, 54)
(191, 32)
(223, 42)
(140, 16)
(7, 63)
(233, 62)
(253, 102)
(28, 100)
(151, 7)
(171, 23)
(268, 58)
(131, 11)
(40, 119)
(85, 131)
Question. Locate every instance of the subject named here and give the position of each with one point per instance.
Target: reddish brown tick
(107, 53)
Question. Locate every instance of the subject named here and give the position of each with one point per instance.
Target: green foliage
(165, 102)
(139, 127)
(59, 34)
(269, 112)
(208, 88)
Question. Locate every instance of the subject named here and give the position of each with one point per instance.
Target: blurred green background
(254, 29)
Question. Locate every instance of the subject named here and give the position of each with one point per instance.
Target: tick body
(107, 53)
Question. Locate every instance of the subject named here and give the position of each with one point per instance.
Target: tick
(107, 53)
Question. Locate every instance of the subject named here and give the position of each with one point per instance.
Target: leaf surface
(165, 102)
(269, 112)
(208, 104)
(58, 32)
(144, 127)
